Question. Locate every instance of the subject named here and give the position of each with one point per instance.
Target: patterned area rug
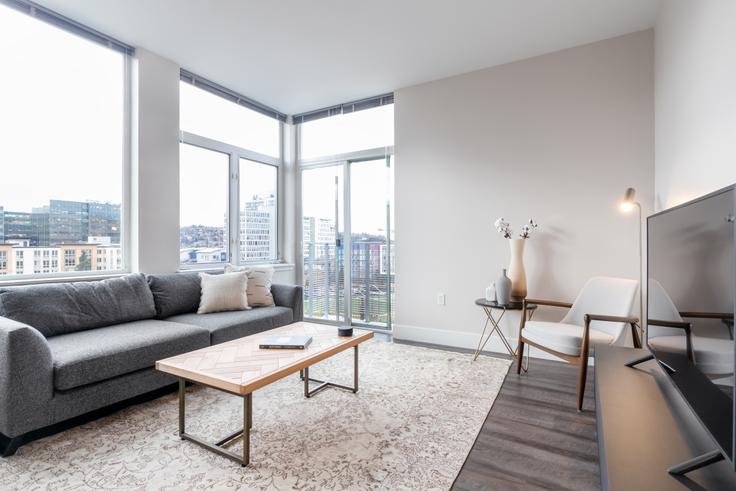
(410, 426)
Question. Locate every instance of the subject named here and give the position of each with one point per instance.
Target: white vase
(516, 270)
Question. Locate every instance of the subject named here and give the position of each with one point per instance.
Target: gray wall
(695, 75)
(558, 138)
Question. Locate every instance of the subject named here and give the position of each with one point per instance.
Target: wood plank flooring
(533, 438)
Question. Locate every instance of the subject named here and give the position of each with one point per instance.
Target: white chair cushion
(712, 356)
(561, 337)
(604, 295)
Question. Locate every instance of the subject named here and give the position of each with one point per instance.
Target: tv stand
(696, 463)
(645, 427)
(645, 358)
(641, 359)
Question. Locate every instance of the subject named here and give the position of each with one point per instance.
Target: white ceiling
(299, 55)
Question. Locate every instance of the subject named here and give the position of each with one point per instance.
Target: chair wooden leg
(519, 356)
(582, 375)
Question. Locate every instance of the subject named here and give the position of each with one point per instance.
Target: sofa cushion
(223, 292)
(226, 326)
(62, 308)
(175, 294)
(87, 357)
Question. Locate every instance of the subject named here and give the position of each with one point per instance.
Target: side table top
(509, 306)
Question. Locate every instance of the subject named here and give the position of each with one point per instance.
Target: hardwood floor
(533, 437)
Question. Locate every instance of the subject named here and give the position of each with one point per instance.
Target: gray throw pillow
(175, 294)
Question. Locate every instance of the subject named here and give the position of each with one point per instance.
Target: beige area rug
(410, 426)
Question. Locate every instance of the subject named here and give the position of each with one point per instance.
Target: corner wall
(155, 172)
(695, 108)
(557, 138)
(155, 164)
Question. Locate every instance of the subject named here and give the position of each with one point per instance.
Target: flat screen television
(691, 295)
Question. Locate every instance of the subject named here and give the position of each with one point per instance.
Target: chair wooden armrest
(632, 321)
(685, 326)
(551, 303)
(707, 315)
(611, 318)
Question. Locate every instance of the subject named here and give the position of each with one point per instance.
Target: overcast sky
(61, 121)
(61, 107)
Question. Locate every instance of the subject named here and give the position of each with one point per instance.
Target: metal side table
(488, 308)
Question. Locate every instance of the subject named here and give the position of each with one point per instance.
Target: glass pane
(208, 115)
(61, 121)
(203, 192)
(361, 130)
(372, 252)
(258, 184)
(323, 254)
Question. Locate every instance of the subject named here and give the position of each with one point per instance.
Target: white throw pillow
(259, 284)
(223, 292)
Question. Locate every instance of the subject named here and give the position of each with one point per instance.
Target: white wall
(695, 108)
(155, 164)
(558, 138)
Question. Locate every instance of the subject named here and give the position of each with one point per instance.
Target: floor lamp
(627, 206)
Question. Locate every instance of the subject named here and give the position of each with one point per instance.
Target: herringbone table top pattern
(240, 366)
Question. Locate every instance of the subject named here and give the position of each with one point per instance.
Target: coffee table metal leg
(247, 425)
(323, 385)
(218, 447)
(182, 395)
(355, 369)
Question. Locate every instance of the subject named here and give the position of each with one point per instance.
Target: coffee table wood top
(240, 366)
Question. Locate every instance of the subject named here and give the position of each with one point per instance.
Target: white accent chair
(598, 315)
(668, 331)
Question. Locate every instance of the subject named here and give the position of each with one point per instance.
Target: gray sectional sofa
(67, 349)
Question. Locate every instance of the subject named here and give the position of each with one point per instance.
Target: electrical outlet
(440, 299)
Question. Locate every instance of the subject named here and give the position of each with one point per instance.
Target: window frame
(344, 160)
(126, 242)
(235, 153)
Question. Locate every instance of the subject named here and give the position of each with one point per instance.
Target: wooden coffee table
(240, 367)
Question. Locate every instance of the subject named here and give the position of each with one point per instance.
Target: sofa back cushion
(62, 308)
(175, 294)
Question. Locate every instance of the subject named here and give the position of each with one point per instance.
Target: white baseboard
(461, 339)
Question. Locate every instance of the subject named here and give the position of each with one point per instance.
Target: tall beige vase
(516, 270)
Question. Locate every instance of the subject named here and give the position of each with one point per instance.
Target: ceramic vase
(516, 270)
(491, 293)
(503, 289)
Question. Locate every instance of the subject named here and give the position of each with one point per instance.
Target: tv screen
(690, 306)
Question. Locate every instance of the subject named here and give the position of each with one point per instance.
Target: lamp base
(345, 331)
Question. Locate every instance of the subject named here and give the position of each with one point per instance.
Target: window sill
(218, 268)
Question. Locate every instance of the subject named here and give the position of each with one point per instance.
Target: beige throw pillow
(223, 292)
(259, 284)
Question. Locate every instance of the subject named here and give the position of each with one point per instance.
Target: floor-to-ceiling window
(230, 156)
(64, 147)
(346, 164)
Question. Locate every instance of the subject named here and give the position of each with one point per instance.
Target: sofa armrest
(290, 296)
(26, 378)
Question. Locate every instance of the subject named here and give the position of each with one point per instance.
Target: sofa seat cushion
(226, 326)
(87, 357)
(561, 337)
